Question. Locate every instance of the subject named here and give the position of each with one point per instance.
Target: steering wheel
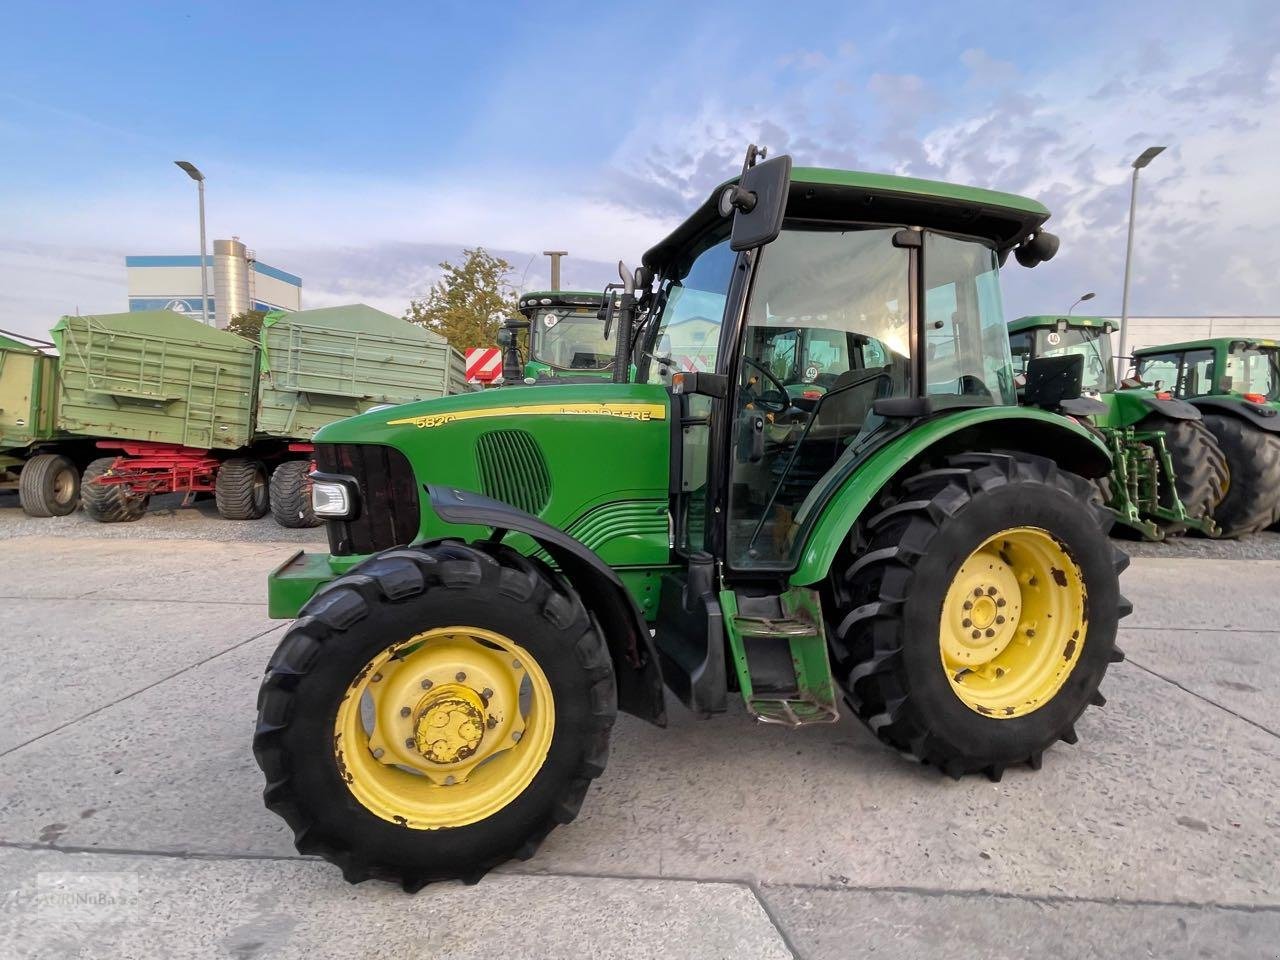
(773, 406)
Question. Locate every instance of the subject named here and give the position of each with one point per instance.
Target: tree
(467, 305)
(247, 324)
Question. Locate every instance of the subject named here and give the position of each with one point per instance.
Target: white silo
(230, 281)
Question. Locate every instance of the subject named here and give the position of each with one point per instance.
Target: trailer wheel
(977, 615)
(1252, 501)
(434, 713)
(291, 495)
(1199, 465)
(109, 502)
(49, 486)
(241, 490)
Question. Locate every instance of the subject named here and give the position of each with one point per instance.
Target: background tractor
(497, 561)
(1235, 383)
(1168, 473)
(567, 340)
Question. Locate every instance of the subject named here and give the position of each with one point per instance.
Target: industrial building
(238, 282)
(1154, 331)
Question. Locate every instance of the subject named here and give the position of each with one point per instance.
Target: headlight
(331, 498)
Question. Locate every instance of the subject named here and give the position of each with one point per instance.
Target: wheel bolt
(449, 781)
(427, 684)
(375, 678)
(990, 632)
(968, 604)
(977, 634)
(1000, 602)
(459, 676)
(966, 622)
(410, 742)
(516, 736)
(486, 693)
(991, 591)
(516, 664)
(491, 722)
(977, 591)
(377, 754)
(999, 619)
(405, 711)
(1030, 632)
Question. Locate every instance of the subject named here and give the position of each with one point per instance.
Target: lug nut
(410, 743)
(976, 634)
(968, 604)
(491, 722)
(376, 677)
(377, 753)
(516, 664)
(990, 632)
(966, 622)
(486, 693)
(427, 684)
(1030, 632)
(516, 736)
(1000, 602)
(405, 711)
(450, 780)
(977, 591)
(999, 619)
(459, 676)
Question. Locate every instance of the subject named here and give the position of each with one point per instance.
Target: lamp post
(194, 173)
(1081, 299)
(1144, 158)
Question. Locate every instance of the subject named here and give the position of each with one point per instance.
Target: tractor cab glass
(1255, 370)
(570, 338)
(1092, 343)
(689, 308)
(1187, 373)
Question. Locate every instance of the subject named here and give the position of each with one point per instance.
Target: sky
(360, 145)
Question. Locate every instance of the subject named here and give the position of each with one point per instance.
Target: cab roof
(560, 298)
(1004, 219)
(1048, 321)
(1208, 343)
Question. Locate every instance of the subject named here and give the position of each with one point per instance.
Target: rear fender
(1261, 415)
(1011, 429)
(635, 661)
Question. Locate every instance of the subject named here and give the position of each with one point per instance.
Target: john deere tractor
(1168, 473)
(507, 570)
(567, 340)
(1235, 383)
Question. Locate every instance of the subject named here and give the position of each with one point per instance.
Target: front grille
(389, 515)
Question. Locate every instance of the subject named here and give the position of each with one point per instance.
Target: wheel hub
(449, 723)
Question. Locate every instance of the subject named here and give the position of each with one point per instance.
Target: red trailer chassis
(154, 468)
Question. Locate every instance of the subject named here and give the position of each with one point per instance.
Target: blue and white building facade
(238, 282)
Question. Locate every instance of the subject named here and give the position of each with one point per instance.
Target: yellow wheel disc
(1013, 623)
(445, 728)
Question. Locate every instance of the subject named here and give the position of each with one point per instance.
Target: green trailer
(567, 341)
(1167, 473)
(36, 458)
(1235, 383)
(318, 366)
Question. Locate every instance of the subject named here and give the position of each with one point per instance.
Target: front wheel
(434, 713)
(976, 623)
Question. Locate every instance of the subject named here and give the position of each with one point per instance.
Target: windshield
(1255, 370)
(571, 339)
(1092, 343)
(688, 309)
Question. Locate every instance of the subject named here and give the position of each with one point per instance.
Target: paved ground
(131, 823)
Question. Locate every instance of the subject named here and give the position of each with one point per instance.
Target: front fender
(1262, 415)
(635, 660)
(1027, 429)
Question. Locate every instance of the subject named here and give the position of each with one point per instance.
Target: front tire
(1252, 502)
(49, 486)
(413, 633)
(997, 682)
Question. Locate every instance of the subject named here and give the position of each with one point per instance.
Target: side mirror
(1053, 380)
(1041, 247)
(509, 340)
(757, 203)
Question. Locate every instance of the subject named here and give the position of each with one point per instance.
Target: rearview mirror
(758, 202)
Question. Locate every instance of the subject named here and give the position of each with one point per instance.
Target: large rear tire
(363, 730)
(49, 486)
(1252, 501)
(975, 615)
(241, 490)
(109, 502)
(291, 495)
(1200, 469)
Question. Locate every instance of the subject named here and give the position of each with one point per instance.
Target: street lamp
(198, 177)
(1144, 158)
(1083, 297)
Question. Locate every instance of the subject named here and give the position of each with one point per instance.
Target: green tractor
(1168, 473)
(567, 339)
(1235, 383)
(507, 570)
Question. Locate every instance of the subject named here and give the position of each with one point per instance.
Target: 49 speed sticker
(627, 411)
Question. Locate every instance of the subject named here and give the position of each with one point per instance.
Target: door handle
(757, 439)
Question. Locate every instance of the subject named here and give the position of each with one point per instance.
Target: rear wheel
(434, 713)
(1199, 465)
(1252, 500)
(241, 490)
(977, 618)
(291, 495)
(109, 502)
(49, 486)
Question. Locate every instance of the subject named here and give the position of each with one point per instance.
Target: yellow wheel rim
(1013, 623)
(445, 728)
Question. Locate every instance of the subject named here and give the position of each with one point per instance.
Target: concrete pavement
(128, 672)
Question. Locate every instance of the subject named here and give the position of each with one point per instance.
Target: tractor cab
(566, 338)
(807, 481)
(1247, 369)
(1058, 336)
